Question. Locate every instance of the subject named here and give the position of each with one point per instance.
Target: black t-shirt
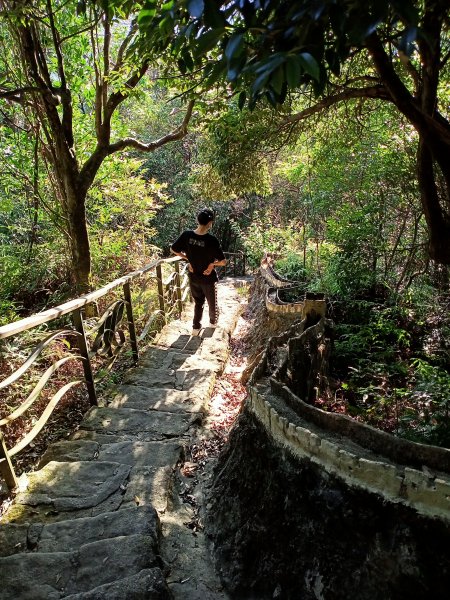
(201, 250)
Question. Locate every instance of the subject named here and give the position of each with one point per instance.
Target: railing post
(84, 351)
(130, 318)
(178, 287)
(243, 264)
(6, 465)
(160, 289)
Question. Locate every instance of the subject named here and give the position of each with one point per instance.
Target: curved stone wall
(275, 307)
(426, 491)
(400, 471)
(272, 278)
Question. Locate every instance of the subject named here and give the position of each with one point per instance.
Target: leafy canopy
(268, 47)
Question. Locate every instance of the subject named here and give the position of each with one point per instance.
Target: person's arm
(184, 257)
(216, 263)
(180, 254)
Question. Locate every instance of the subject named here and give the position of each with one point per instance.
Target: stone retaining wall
(426, 491)
(292, 307)
(273, 279)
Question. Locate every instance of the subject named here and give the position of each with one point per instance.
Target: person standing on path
(203, 252)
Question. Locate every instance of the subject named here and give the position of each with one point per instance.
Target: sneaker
(195, 332)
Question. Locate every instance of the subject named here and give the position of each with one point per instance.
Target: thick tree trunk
(434, 206)
(79, 240)
(433, 130)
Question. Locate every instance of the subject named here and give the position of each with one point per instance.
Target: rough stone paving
(88, 523)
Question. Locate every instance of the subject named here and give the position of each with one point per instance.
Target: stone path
(94, 520)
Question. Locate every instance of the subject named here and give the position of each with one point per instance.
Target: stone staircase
(87, 525)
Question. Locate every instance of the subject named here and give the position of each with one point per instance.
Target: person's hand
(208, 269)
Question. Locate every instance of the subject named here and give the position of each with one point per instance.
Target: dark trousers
(201, 292)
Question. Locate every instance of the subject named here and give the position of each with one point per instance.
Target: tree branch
(124, 45)
(377, 91)
(117, 97)
(106, 50)
(175, 135)
(98, 84)
(434, 129)
(16, 95)
(66, 97)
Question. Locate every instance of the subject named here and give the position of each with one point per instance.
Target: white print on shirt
(195, 242)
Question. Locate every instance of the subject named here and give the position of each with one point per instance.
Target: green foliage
(351, 188)
(122, 206)
(233, 160)
(381, 380)
(264, 236)
(428, 418)
(265, 49)
(292, 267)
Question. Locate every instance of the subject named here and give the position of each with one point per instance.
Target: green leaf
(145, 15)
(241, 100)
(235, 45)
(293, 71)
(187, 59)
(309, 65)
(271, 98)
(208, 40)
(260, 82)
(196, 8)
(216, 73)
(235, 67)
(269, 65)
(182, 66)
(277, 80)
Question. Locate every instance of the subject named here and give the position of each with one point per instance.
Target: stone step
(210, 354)
(149, 584)
(67, 536)
(87, 526)
(177, 335)
(198, 379)
(62, 490)
(153, 454)
(158, 358)
(142, 425)
(52, 575)
(161, 399)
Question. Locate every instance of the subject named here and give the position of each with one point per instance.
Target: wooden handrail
(172, 293)
(68, 307)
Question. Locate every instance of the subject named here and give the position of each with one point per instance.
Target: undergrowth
(392, 370)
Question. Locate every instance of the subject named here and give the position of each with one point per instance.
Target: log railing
(132, 308)
(236, 264)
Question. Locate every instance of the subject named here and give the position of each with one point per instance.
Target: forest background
(115, 129)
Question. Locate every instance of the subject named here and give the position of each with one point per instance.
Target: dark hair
(205, 216)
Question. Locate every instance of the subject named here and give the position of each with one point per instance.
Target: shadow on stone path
(88, 524)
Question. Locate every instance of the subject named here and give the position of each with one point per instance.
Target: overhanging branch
(378, 91)
(175, 135)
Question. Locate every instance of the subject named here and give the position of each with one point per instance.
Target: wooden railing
(236, 265)
(141, 304)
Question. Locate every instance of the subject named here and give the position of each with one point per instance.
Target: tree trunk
(437, 218)
(79, 239)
